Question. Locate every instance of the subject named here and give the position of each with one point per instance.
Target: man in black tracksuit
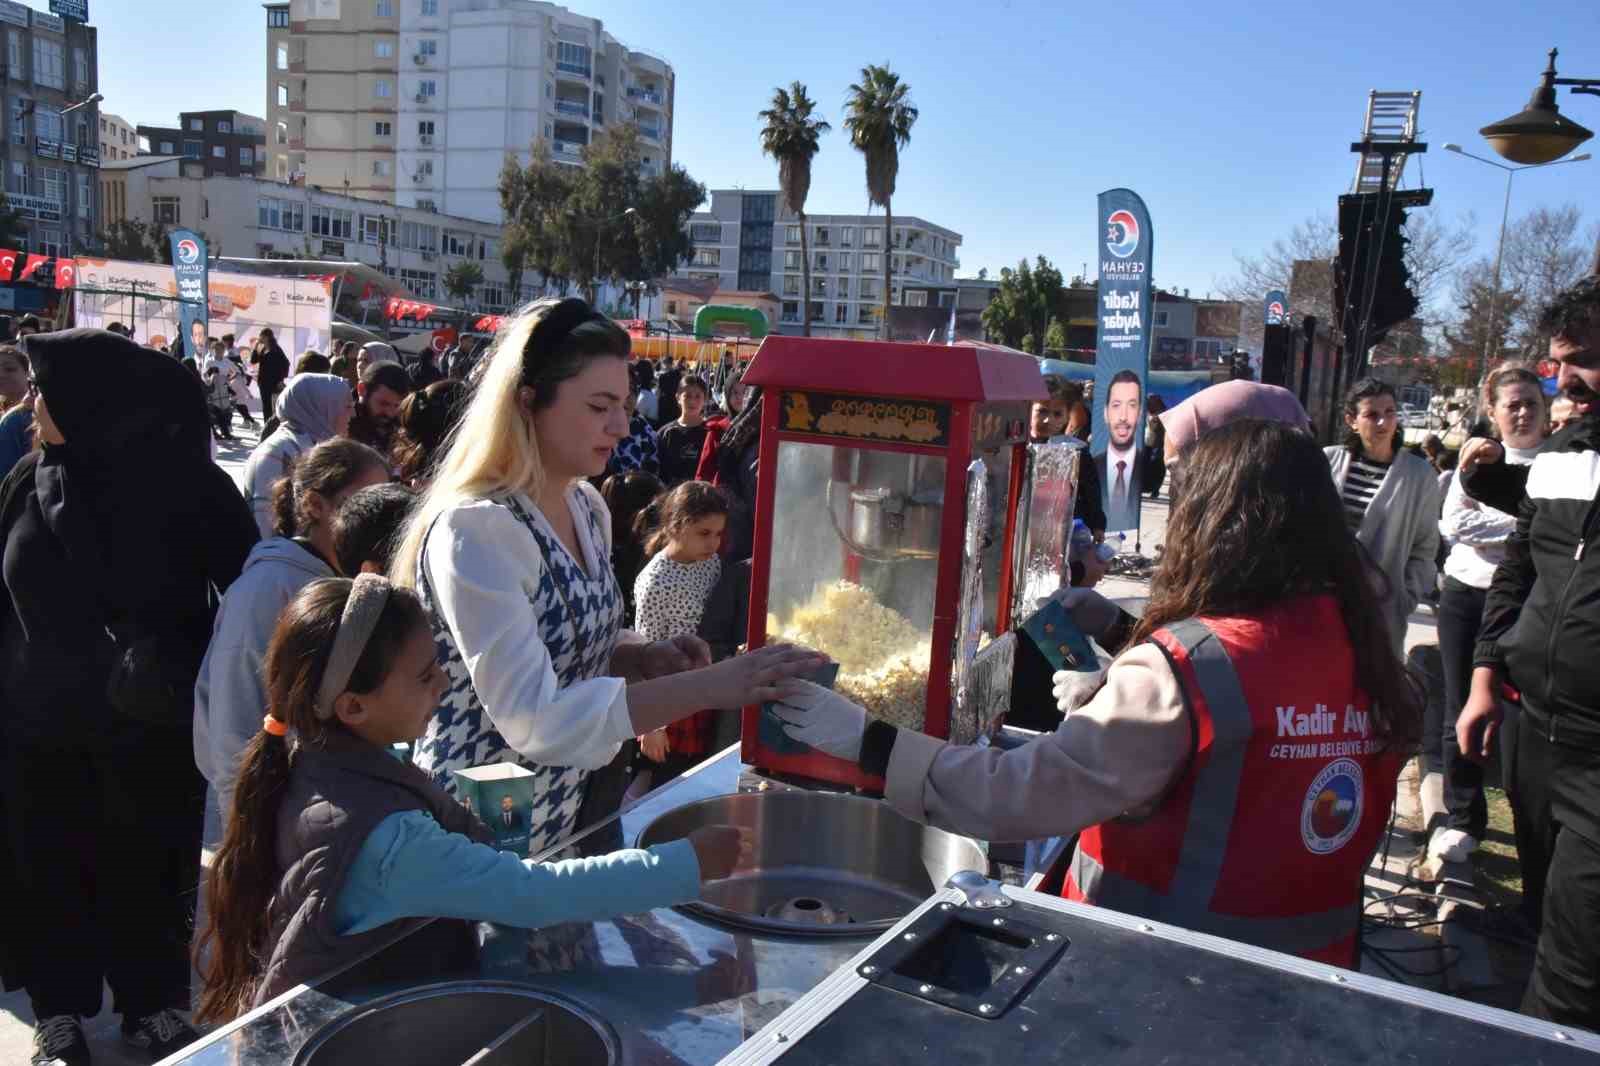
(1541, 633)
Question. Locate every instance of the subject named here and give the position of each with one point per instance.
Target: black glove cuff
(877, 744)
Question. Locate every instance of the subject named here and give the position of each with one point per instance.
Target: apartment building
(229, 143)
(118, 138)
(748, 242)
(51, 147)
(260, 218)
(418, 101)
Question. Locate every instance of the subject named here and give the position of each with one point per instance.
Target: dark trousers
(1460, 614)
(222, 420)
(269, 399)
(107, 849)
(1557, 782)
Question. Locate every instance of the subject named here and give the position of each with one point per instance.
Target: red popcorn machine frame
(888, 531)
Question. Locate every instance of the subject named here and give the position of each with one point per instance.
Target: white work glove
(1091, 612)
(1073, 688)
(823, 719)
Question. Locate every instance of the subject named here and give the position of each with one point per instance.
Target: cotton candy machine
(825, 864)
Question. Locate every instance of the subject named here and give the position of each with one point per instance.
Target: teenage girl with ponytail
(333, 846)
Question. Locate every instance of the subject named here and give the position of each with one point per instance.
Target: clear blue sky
(1233, 119)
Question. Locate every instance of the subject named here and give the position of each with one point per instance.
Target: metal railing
(652, 133)
(649, 96)
(572, 107)
(582, 70)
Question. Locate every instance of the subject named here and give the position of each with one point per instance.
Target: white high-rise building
(419, 101)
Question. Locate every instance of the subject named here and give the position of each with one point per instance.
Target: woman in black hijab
(117, 537)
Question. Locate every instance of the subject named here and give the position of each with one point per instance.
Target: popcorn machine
(891, 525)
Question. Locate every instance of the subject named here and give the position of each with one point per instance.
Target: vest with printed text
(1266, 835)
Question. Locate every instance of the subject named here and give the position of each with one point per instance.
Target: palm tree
(790, 136)
(879, 117)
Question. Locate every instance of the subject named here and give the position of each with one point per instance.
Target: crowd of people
(538, 553)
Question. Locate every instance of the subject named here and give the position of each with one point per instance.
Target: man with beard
(1541, 628)
(1121, 465)
(378, 395)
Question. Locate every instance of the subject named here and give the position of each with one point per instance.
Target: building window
(247, 157)
(382, 168)
(50, 242)
(572, 58)
(457, 243)
(283, 95)
(193, 150)
(707, 257)
(281, 58)
(791, 260)
(791, 235)
(819, 286)
(419, 237)
(167, 210)
(791, 310)
(844, 263)
(219, 151)
(820, 261)
(1160, 319)
(425, 167)
(282, 133)
(224, 126)
(168, 148)
(705, 231)
(791, 285)
(917, 298)
(273, 213)
(384, 9)
(430, 8)
(871, 238)
(17, 179)
(197, 125)
(947, 299)
(383, 49)
(841, 313)
(19, 120)
(382, 89)
(377, 229)
(283, 168)
(80, 66)
(428, 47)
(869, 290)
(49, 63)
(14, 51)
(847, 236)
(47, 123)
(278, 17)
(822, 236)
(332, 222)
(420, 282)
(425, 127)
(871, 261)
(427, 87)
(383, 129)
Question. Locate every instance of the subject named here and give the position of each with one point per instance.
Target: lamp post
(1505, 217)
(1539, 133)
(599, 233)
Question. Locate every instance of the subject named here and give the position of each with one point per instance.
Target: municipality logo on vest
(1122, 234)
(188, 252)
(1331, 811)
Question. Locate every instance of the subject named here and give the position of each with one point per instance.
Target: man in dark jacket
(378, 397)
(667, 409)
(1540, 634)
(272, 370)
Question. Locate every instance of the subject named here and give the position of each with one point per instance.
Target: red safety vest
(1267, 834)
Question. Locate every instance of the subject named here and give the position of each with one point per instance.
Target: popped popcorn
(882, 656)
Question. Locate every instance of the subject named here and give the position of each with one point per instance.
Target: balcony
(568, 151)
(650, 133)
(573, 108)
(573, 70)
(646, 96)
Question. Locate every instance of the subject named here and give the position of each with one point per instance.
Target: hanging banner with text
(1122, 355)
(189, 270)
(1275, 309)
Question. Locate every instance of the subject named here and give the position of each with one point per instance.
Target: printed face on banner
(1122, 412)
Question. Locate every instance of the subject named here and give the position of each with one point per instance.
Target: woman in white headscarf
(311, 409)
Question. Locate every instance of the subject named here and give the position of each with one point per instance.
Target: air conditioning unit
(425, 139)
(428, 257)
(423, 98)
(419, 177)
(420, 59)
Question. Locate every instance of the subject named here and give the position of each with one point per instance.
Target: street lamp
(94, 98)
(1505, 217)
(599, 232)
(1539, 133)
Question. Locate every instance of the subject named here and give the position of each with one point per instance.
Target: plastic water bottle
(1082, 542)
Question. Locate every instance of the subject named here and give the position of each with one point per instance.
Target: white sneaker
(1452, 845)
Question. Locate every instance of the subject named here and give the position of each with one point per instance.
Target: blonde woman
(509, 550)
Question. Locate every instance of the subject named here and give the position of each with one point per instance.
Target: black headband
(553, 328)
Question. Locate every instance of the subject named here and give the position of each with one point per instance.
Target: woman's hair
(342, 366)
(1155, 405)
(11, 351)
(1501, 376)
(629, 496)
(1367, 389)
(1258, 523)
(327, 470)
(426, 420)
(494, 450)
(312, 363)
(731, 387)
(677, 511)
(244, 875)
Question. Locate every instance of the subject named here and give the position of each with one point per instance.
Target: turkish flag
(34, 263)
(392, 308)
(366, 291)
(8, 263)
(66, 273)
(424, 311)
(443, 339)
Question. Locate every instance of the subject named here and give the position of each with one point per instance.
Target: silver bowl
(825, 864)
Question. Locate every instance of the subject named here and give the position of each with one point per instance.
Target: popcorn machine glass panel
(855, 549)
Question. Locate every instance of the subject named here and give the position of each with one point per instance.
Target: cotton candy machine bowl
(825, 864)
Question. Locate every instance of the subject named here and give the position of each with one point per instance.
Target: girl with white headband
(334, 847)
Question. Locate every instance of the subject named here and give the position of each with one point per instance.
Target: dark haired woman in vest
(510, 552)
(333, 846)
(1252, 728)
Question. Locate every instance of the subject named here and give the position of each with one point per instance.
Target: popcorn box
(501, 794)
